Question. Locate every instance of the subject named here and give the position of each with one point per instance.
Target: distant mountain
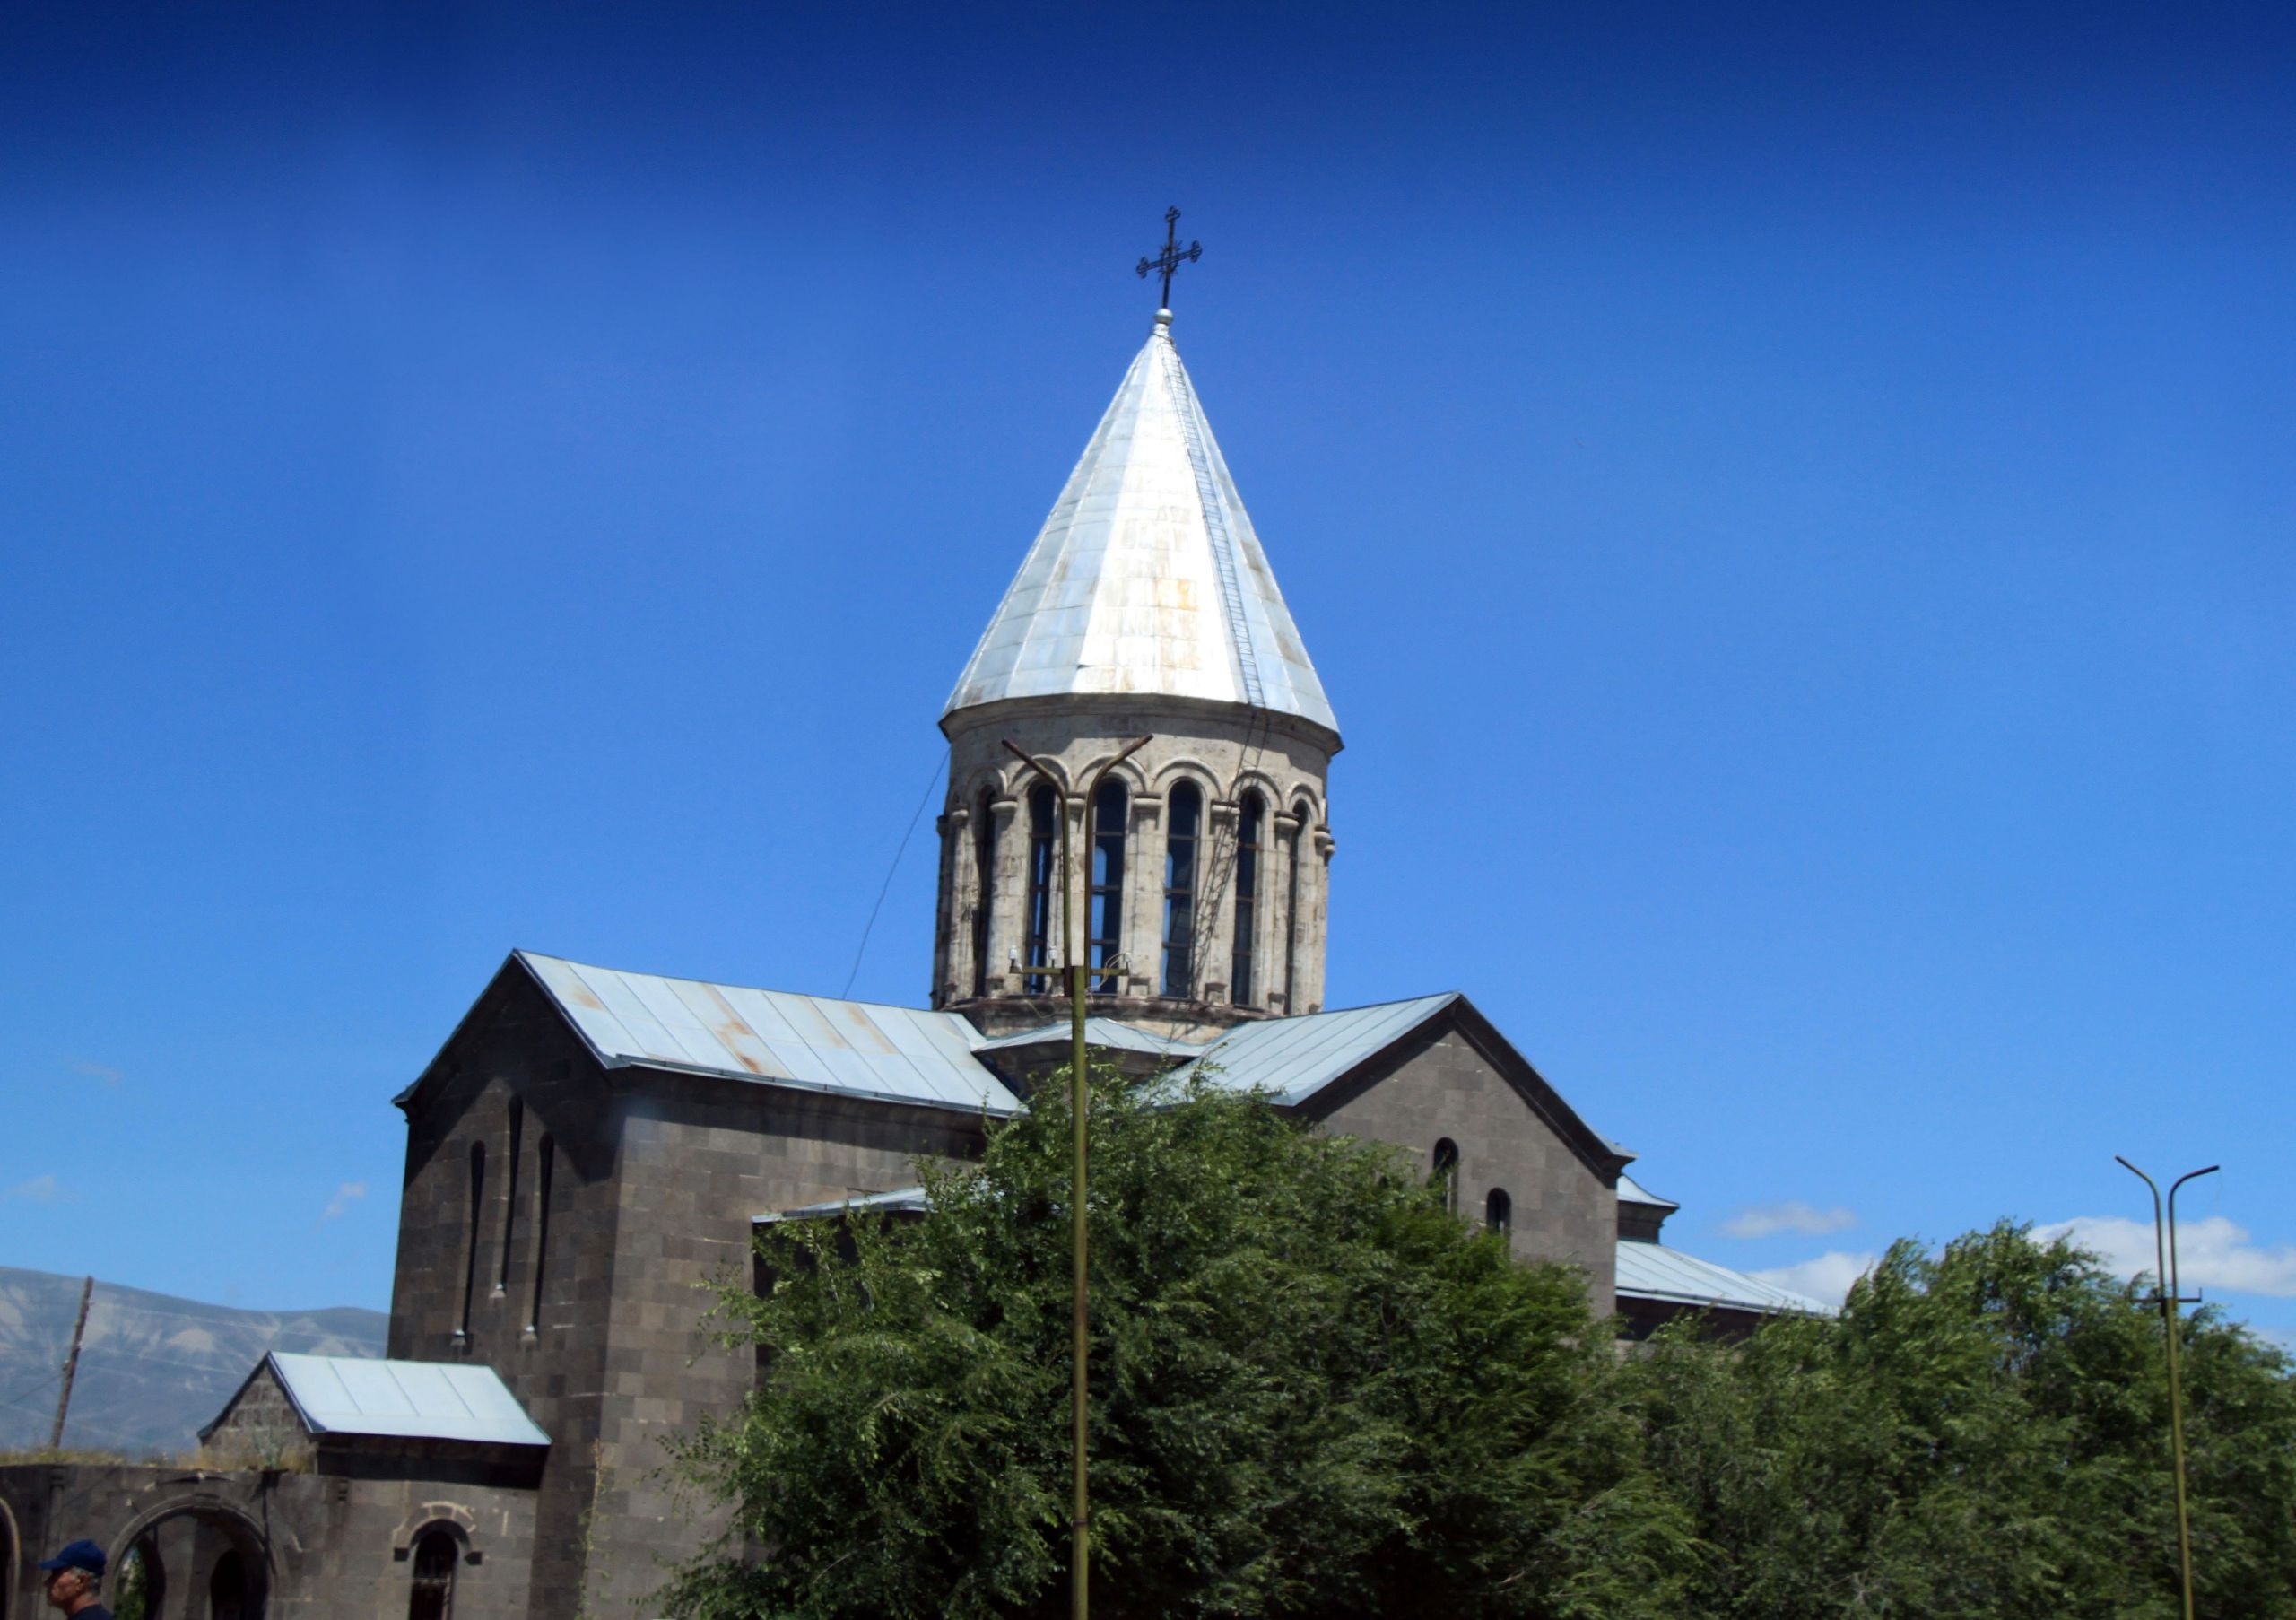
(152, 1368)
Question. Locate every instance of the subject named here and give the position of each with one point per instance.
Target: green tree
(1314, 1392)
(1979, 1433)
(132, 1587)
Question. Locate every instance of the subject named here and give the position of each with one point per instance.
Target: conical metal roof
(1147, 578)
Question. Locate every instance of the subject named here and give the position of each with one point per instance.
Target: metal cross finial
(1173, 255)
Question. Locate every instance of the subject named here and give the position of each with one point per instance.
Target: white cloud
(40, 1190)
(1826, 1279)
(1761, 1220)
(345, 1195)
(2211, 1253)
(95, 1071)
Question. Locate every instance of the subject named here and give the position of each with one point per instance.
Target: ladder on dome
(1226, 849)
(1215, 524)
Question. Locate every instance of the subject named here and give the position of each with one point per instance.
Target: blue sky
(1791, 506)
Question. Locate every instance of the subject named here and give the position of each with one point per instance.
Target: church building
(592, 1143)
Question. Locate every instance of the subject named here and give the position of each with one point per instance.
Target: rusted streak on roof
(732, 1031)
(853, 1049)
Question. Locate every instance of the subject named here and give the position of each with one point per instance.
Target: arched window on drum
(1044, 836)
(1104, 922)
(1302, 816)
(984, 894)
(1251, 831)
(1184, 822)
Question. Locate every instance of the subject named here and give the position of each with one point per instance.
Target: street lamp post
(2165, 1289)
(1077, 972)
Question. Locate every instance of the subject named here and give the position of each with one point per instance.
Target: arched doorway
(140, 1583)
(191, 1559)
(227, 1587)
(7, 1557)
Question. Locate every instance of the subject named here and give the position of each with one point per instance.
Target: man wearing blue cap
(75, 1576)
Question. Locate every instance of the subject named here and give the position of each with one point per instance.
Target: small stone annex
(590, 1142)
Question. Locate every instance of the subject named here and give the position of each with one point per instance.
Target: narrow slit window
(477, 1214)
(510, 1194)
(1185, 818)
(984, 863)
(947, 899)
(1104, 929)
(1447, 1172)
(1251, 820)
(546, 1161)
(431, 1595)
(1043, 844)
(1498, 1211)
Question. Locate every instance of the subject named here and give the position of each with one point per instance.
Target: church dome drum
(1145, 609)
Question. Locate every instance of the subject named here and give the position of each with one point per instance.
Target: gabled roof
(854, 1049)
(1148, 577)
(1100, 1032)
(403, 1400)
(1631, 1191)
(936, 1060)
(1649, 1271)
(901, 1200)
(1292, 1059)
(1296, 1058)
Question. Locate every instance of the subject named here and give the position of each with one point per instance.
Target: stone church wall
(701, 1160)
(656, 1181)
(313, 1545)
(515, 1047)
(1445, 1087)
(260, 1429)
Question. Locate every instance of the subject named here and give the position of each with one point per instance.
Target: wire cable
(886, 887)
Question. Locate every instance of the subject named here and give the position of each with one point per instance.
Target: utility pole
(72, 1365)
(2167, 1293)
(1078, 975)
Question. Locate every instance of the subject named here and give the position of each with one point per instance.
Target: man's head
(74, 1576)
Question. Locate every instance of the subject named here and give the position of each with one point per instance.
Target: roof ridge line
(729, 984)
(1243, 649)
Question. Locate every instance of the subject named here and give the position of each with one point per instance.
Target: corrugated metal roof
(901, 1200)
(1148, 576)
(1292, 1059)
(775, 1036)
(1098, 1031)
(1650, 1271)
(1631, 1191)
(408, 1400)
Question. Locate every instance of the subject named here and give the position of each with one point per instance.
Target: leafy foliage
(1313, 1392)
(1982, 1432)
(133, 1587)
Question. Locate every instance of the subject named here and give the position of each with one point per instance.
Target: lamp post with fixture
(2170, 1297)
(1077, 974)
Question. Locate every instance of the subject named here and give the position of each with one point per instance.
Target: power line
(15, 1396)
(886, 887)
